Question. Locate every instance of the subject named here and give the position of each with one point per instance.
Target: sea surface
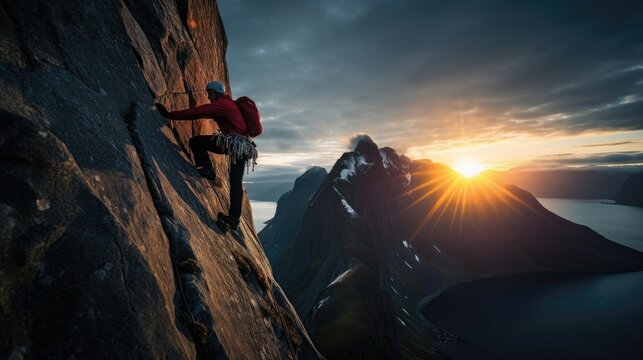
(619, 223)
(553, 315)
(262, 211)
(544, 316)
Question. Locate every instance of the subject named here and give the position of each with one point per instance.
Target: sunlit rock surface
(107, 244)
(383, 235)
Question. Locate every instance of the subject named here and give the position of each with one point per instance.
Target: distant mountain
(290, 210)
(497, 229)
(383, 233)
(571, 184)
(273, 193)
(267, 190)
(632, 191)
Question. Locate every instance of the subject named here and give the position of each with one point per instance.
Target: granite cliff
(107, 244)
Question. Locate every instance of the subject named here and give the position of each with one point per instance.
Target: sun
(469, 168)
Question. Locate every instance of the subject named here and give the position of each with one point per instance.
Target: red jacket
(224, 111)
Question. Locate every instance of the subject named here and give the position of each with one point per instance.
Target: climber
(233, 140)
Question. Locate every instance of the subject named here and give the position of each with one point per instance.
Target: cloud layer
(417, 72)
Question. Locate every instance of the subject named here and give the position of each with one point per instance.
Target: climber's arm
(199, 112)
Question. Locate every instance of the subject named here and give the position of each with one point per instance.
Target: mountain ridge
(568, 184)
(383, 233)
(631, 193)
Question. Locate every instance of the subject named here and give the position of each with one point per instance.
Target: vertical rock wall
(107, 244)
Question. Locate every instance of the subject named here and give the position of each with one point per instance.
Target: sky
(508, 84)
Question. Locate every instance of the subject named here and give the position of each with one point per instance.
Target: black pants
(200, 145)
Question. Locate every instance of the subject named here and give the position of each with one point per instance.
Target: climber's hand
(162, 110)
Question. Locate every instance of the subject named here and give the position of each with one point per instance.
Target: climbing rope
(238, 147)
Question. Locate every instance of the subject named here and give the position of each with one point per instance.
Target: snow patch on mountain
(353, 214)
(349, 169)
(351, 166)
(341, 277)
(386, 162)
(349, 209)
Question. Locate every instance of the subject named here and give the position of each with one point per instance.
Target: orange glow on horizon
(455, 198)
(469, 168)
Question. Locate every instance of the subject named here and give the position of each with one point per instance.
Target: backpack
(250, 113)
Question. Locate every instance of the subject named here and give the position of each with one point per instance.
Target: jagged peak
(389, 158)
(368, 149)
(315, 170)
(312, 174)
(363, 138)
(367, 155)
(357, 138)
(348, 165)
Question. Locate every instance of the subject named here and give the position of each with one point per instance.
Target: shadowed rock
(291, 207)
(632, 191)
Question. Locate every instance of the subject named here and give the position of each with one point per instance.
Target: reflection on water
(545, 316)
(619, 223)
(261, 212)
(553, 315)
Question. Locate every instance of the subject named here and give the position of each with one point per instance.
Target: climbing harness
(238, 147)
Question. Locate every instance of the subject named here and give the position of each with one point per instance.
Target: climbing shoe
(226, 222)
(207, 172)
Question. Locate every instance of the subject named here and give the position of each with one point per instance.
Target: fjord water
(619, 223)
(554, 315)
(262, 211)
(545, 316)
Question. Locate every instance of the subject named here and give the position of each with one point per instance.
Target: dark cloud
(281, 135)
(281, 132)
(608, 144)
(627, 116)
(421, 72)
(614, 158)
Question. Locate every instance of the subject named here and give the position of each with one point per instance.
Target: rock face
(632, 191)
(107, 244)
(383, 234)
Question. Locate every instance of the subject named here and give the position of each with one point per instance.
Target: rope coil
(238, 147)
